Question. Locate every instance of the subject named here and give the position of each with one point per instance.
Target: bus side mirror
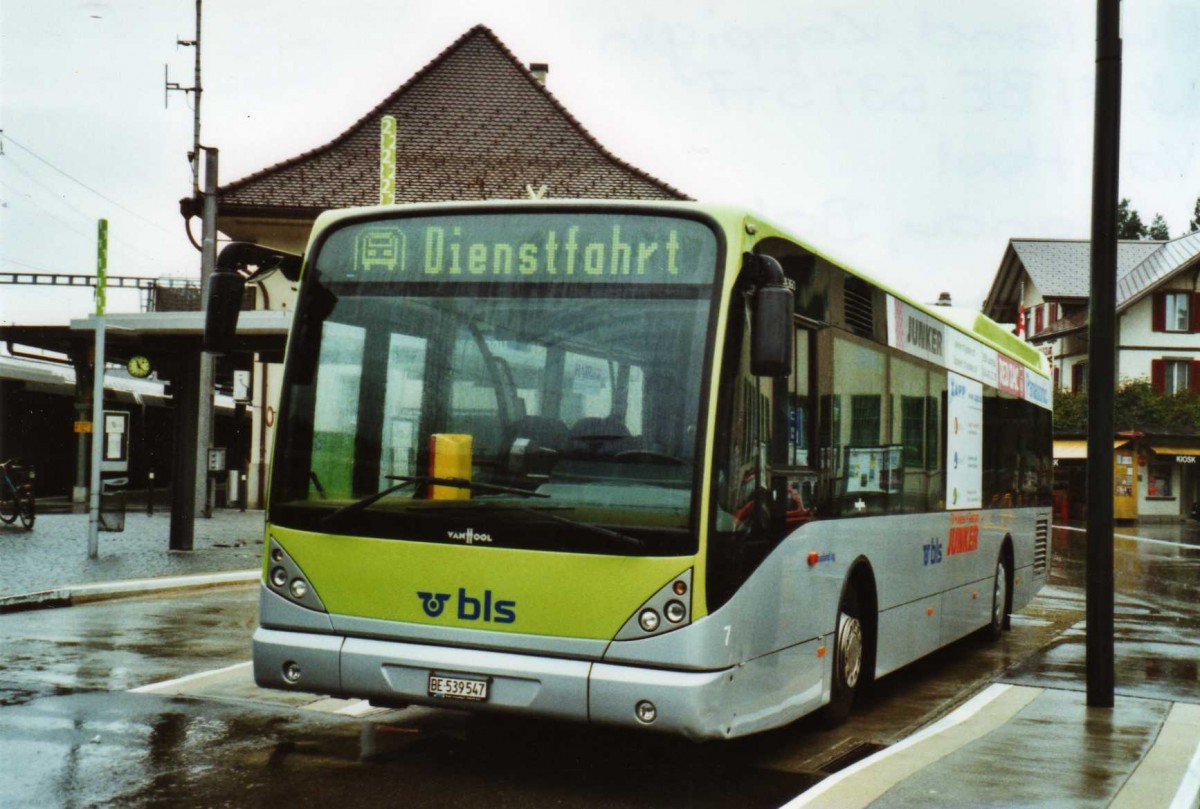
(237, 263)
(771, 321)
(224, 304)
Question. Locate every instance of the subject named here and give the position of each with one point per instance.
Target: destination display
(565, 248)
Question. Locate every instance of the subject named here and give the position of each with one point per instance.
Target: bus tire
(1000, 600)
(849, 659)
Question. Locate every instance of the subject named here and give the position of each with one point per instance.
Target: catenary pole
(1102, 374)
(98, 391)
(208, 262)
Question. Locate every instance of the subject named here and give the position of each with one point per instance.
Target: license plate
(458, 688)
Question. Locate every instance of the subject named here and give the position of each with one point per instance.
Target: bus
(653, 465)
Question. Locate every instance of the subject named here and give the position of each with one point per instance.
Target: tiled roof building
(474, 123)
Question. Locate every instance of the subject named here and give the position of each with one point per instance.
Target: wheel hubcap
(850, 648)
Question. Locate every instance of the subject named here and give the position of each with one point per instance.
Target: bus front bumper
(687, 703)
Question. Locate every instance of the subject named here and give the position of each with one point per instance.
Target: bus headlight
(286, 579)
(648, 620)
(667, 610)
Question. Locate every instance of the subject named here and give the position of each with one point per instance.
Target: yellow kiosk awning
(1075, 449)
(1188, 451)
(1070, 450)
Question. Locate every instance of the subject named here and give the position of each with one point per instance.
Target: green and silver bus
(654, 465)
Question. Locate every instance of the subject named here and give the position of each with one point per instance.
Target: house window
(1171, 376)
(1178, 311)
(1177, 378)
(1173, 311)
(1158, 481)
(1038, 319)
(1079, 377)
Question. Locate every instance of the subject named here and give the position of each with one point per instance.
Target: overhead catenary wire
(84, 216)
(9, 138)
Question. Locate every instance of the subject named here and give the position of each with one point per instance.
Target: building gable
(472, 124)
(1061, 270)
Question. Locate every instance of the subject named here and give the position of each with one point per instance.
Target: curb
(83, 593)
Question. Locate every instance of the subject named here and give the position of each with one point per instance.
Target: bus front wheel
(848, 658)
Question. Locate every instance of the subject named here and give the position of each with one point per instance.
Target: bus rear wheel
(849, 647)
(995, 627)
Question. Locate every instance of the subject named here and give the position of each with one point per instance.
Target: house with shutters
(1046, 283)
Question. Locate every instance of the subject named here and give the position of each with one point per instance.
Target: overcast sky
(908, 138)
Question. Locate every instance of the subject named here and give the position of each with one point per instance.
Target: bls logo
(433, 603)
(471, 609)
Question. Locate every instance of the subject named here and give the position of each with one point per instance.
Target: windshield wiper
(424, 480)
(463, 483)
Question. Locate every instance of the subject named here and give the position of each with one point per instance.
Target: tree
(1158, 228)
(1194, 225)
(1129, 223)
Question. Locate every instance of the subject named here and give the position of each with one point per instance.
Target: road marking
(990, 709)
(1174, 759)
(1168, 543)
(169, 685)
(355, 708)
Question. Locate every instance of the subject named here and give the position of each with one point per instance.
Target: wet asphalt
(72, 734)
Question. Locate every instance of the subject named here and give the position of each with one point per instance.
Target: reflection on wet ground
(119, 645)
(70, 734)
(137, 750)
(1156, 625)
(1164, 570)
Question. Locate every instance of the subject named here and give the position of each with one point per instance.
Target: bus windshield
(557, 356)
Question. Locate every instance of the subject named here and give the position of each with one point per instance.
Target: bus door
(793, 475)
(765, 480)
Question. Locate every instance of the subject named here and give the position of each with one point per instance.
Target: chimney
(539, 71)
(943, 300)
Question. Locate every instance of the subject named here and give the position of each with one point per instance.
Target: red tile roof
(472, 124)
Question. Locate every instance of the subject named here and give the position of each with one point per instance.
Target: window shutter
(1195, 313)
(1160, 312)
(1194, 377)
(1158, 375)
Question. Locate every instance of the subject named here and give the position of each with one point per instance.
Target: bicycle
(16, 494)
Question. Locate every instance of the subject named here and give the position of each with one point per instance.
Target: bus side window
(860, 466)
